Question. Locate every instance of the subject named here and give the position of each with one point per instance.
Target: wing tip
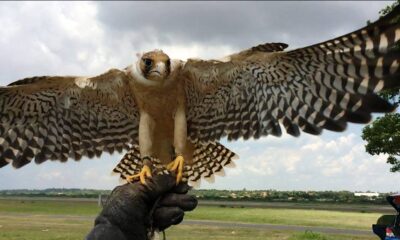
(3, 163)
(270, 47)
(195, 183)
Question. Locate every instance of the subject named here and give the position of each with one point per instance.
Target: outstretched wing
(322, 86)
(58, 118)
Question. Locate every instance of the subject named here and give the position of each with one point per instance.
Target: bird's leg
(180, 136)
(146, 129)
(144, 173)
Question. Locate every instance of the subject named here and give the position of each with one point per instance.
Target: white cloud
(234, 171)
(197, 51)
(331, 161)
(312, 146)
(51, 176)
(258, 170)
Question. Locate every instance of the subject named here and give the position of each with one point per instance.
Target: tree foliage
(383, 135)
(267, 195)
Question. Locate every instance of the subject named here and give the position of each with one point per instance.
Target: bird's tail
(207, 160)
(130, 164)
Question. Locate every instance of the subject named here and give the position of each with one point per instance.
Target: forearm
(104, 230)
(121, 215)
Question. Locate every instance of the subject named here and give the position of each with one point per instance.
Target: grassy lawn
(42, 227)
(182, 232)
(49, 207)
(66, 220)
(348, 220)
(336, 219)
(36, 227)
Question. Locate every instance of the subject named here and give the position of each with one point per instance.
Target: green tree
(383, 135)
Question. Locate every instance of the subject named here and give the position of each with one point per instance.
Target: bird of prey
(170, 114)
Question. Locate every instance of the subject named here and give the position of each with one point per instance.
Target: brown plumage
(161, 108)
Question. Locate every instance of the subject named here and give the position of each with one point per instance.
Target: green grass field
(347, 220)
(67, 220)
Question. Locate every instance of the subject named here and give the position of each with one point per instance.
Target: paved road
(277, 227)
(384, 209)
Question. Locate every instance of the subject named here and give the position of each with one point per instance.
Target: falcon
(169, 115)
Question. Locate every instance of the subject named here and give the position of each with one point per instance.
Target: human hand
(133, 210)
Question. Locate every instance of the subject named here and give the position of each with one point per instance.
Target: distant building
(264, 194)
(366, 194)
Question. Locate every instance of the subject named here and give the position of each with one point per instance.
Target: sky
(88, 38)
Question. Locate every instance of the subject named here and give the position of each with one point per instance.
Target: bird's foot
(144, 173)
(177, 167)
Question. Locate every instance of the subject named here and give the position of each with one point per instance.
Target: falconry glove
(135, 211)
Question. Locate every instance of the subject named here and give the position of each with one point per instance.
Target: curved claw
(144, 173)
(177, 166)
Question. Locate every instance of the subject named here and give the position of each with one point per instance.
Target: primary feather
(322, 86)
(56, 118)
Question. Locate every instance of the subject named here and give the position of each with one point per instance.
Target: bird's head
(155, 65)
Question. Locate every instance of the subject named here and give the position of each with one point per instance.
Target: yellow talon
(145, 172)
(177, 166)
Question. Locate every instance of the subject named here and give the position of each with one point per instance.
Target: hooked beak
(159, 70)
(155, 72)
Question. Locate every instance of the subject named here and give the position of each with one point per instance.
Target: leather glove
(133, 211)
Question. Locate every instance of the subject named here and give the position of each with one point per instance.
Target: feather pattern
(56, 118)
(322, 86)
(204, 162)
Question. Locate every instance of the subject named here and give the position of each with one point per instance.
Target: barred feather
(130, 164)
(209, 160)
(52, 118)
(206, 161)
(323, 86)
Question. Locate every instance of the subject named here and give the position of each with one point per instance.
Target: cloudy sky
(87, 38)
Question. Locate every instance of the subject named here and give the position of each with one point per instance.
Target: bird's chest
(160, 104)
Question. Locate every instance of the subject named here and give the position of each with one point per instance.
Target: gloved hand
(133, 210)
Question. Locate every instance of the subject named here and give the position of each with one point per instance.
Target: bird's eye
(147, 62)
(168, 63)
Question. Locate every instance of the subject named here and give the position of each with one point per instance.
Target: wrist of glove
(134, 210)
